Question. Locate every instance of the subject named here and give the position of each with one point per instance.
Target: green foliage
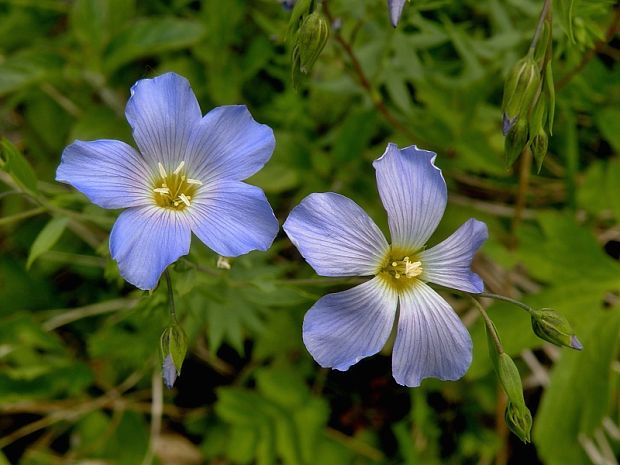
(79, 364)
(582, 388)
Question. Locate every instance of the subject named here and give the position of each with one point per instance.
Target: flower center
(405, 268)
(400, 269)
(174, 190)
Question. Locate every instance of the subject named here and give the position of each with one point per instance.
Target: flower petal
(233, 218)
(431, 340)
(395, 8)
(109, 172)
(335, 236)
(342, 328)
(144, 241)
(413, 193)
(229, 144)
(163, 112)
(449, 263)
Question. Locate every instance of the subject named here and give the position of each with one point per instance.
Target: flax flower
(186, 178)
(337, 238)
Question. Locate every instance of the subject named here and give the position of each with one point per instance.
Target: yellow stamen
(179, 168)
(184, 198)
(162, 171)
(174, 190)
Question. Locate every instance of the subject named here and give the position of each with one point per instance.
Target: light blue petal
(342, 328)
(163, 112)
(449, 263)
(233, 218)
(413, 192)
(169, 372)
(145, 240)
(335, 236)
(229, 144)
(431, 341)
(109, 172)
(395, 8)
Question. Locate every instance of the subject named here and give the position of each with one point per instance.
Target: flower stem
(490, 326)
(490, 295)
(541, 20)
(171, 307)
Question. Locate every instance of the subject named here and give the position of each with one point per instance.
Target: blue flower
(337, 238)
(186, 177)
(395, 8)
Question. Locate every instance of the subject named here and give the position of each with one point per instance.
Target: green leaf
(579, 394)
(149, 37)
(14, 163)
(551, 255)
(26, 69)
(564, 10)
(608, 121)
(46, 239)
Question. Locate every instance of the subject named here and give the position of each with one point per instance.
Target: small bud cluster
(308, 34)
(529, 101)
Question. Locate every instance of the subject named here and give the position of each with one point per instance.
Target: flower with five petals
(337, 238)
(186, 178)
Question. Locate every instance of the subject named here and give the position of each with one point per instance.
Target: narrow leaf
(46, 239)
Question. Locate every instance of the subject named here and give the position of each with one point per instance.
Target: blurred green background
(80, 375)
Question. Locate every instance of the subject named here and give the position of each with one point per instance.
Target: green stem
(171, 307)
(21, 216)
(490, 326)
(490, 295)
(541, 20)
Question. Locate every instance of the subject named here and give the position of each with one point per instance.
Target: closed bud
(519, 420)
(555, 328)
(538, 115)
(544, 42)
(311, 40)
(521, 88)
(515, 141)
(508, 375)
(300, 10)
(538, 146)
(550, 96)
(173, 345)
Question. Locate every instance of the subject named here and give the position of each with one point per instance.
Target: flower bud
(543, 43)
(515, 141)
(555, 328)
(519, 420)
(550, 96)
(311, 40)
(538, 146)
(395, 8)
(521, 88)
(173, 345)
(300, 10)
(508, 375)
(538, 115)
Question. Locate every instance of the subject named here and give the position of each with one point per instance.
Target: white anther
(193, 181)
(162, 190)
(179, 168)
(394, 264)
(162, 171)
(396, 275)
(185, 200)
